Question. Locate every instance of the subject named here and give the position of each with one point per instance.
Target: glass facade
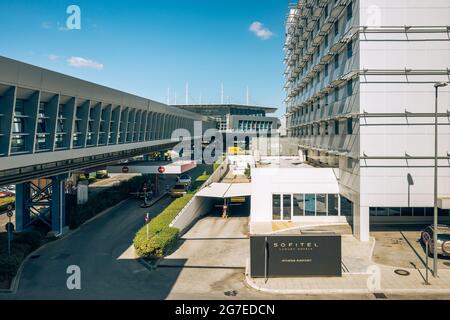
(287, 206)
(406, 212)
(299, 205)
(276, 207)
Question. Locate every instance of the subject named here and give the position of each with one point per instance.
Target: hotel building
(360, 98)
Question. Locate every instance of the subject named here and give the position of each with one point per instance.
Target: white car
(184, 179)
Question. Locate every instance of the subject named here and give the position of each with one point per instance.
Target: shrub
(33, 239)
(9, 266)
(158, 244)
(161, 237)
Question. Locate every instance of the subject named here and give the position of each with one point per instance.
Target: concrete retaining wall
(198, 206)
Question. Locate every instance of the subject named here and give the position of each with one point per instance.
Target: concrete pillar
(23, 215)
(58, 203)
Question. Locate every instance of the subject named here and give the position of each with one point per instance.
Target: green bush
(158, 244)
(21, 246)
(33, 239)
(9, 266)
(160, 236)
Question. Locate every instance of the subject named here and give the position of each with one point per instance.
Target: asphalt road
(208, 264)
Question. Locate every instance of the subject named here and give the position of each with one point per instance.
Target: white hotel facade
(360, 99)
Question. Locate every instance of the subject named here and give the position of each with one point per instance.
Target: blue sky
(145, 47)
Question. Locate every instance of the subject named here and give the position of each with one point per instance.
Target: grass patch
(21, 246)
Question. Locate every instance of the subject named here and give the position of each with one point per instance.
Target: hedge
(161, 237)
(103, 200)
(21, 246)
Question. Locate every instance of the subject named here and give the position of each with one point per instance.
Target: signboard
(161, 169)
(295, 256)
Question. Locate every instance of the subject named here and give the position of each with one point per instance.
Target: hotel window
(326, 40)
(394, 212)
(326, 11)
(299, 205)
(310, 205)
(276, 207)
(382, 212)
(321, 207)
(336, 127)
(326, 128)
(419, 212)
(336, 28)
(333, 205)
(336, 94)
(336, 61)
(346, 207)
(287, 204)
(407, 212)
(326, 70)
(349, 88)
(349, 49)
(349, 12)
(350, 126)
(350, 164)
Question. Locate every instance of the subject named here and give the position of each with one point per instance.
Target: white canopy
(226, 190)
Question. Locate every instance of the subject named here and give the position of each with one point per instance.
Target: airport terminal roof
(228, 105)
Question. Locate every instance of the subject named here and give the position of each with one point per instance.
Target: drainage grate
(231, 293)
(380, 295)
(401, 272)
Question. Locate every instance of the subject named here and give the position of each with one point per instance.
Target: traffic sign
(147, 217)
(9, 214)
(161, 169)
(125, 169)
(9, 207)
(9, 227)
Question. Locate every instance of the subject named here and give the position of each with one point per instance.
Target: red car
(4, 194)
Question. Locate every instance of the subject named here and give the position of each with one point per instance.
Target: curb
(15, 281)
(254, 286)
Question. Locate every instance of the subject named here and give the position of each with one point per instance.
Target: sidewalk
(360, 276)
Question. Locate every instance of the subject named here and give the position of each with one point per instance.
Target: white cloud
(53, 57)
(260, 31)
(79, 62)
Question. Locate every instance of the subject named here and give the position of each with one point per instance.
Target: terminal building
(360, 98)
(236, 117)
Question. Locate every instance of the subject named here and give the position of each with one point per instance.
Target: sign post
(147, 220)
(9, 227)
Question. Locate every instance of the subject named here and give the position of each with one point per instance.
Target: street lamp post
(435, 254)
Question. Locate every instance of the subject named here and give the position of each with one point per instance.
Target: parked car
(184, 179)
(5, 194)
(443, 240)
(179, 190)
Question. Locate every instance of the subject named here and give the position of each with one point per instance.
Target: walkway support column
(23, 216)
(58, 203)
